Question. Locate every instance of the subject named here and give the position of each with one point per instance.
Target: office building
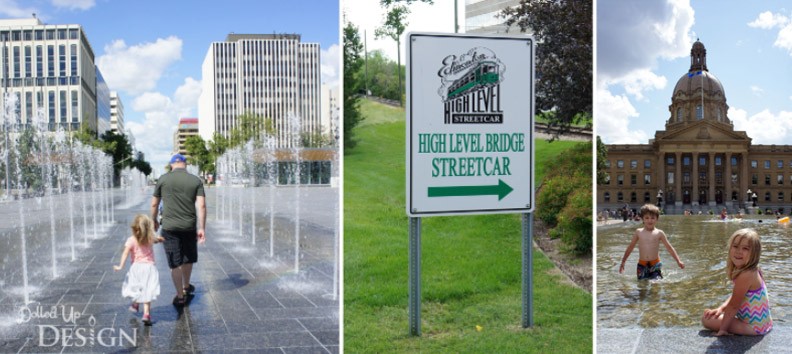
(49, 69)
(116, 113)
(187, 127)
(271, 76)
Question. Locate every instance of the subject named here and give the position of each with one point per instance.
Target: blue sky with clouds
(643, 48)
(151, 52)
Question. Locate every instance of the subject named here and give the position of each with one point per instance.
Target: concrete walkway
(690, 340)
(245, 300)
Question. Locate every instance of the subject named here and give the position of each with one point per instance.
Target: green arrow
(501, 190)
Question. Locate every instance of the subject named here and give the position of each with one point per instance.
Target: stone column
(678, 179)
(661, 178)
(745, 179)
(694, 194)
(711, 178)
(727, 182)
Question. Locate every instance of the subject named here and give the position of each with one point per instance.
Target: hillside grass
(471, 265)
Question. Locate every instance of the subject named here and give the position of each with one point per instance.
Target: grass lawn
(471, 265)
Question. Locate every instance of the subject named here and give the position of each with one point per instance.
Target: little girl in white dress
(142, 280)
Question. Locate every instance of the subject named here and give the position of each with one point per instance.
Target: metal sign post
(527, 270)
(470, 138)
(415, 277)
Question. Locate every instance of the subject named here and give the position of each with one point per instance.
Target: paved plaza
(245, 300)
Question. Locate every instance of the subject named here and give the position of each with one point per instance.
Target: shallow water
(681, 297)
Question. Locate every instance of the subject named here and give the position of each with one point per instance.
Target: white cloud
(784, 39)
(640, 80)
(154, 136)
(768, 20)
(613, 119)
(74, 4)
(10, 8)
(137, 69)
(330, 66)
(633, 35)
(764, 127)
(756, 90)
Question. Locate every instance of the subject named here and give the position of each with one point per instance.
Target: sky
(368, 15)
(643, 49)
(151, 52)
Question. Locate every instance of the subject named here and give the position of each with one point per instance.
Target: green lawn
(471, 265)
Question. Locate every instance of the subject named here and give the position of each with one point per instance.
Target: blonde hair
(650, 209)
(753, 259)
(143, 230)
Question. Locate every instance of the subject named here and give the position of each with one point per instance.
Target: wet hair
(753, 258)
(143, 230)
(650, 209)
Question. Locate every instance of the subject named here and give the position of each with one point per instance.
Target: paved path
(690, 340)
(245, 300)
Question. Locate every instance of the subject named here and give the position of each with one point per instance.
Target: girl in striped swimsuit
(747, 310)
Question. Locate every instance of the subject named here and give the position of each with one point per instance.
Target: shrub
(564, 201)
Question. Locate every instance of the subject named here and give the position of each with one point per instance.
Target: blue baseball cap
(177, 158)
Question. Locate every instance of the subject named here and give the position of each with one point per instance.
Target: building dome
(690, 84)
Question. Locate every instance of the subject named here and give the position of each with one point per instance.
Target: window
(780, 164)
(607, 197)
(718, 178)
(51, 96)
(767, 180)
(620, 163)
(633, 163)
(780, 179)
(780, 196)
(679, 114)
(607, 178)
(620, 180)
(633, 197)
(670, 161)
(75, 106)
(50, 60)
(702, 177)
(63, 104)
(39, 61)
(620, 197)
(699, 112)
(73, 55)
(702, 161)
(754, 164)
(647, 179)
(647, 164)
(647, 198)
(670, 178)
(62, 60)
(767, 164)
(686, 178)
(767, 196)
(754, 179)
(686, 161)
(28, 62)
(718, 160)
(633, 180)
(607, 164)
(734, 161)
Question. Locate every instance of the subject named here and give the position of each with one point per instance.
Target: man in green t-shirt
(181, 194)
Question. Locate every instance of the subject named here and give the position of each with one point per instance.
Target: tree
(199, 154)
(563, 30)
(380, 73)
(602, 156)
(395, 23)
(118, 147)
(352, 65)
(141, 165)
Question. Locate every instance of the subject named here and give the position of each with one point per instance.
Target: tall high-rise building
(273, 76)
(482, 16)
(49, 69)
(116, 113)
(103, 105)
(330, 110)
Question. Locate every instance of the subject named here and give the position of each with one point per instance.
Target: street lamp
(753, 196)
(748, 196)
(660, 198)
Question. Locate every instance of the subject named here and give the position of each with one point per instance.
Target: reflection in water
(681, 297)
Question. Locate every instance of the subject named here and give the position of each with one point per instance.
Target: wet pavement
(689, 340)
(244, 300)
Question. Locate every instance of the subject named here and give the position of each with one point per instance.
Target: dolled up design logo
(470, 87)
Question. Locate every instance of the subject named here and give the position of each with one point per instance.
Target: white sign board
(470, 126)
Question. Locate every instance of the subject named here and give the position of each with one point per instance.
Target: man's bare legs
(181, 278)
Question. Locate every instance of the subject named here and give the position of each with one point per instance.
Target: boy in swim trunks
(648, 240)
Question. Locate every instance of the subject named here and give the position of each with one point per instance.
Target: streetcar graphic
(484, 74)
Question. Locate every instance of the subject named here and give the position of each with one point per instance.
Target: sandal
(147, 320)
(178, 301)
(189, 290)
(134, 307)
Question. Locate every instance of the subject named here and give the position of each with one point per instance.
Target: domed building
(699, 162)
